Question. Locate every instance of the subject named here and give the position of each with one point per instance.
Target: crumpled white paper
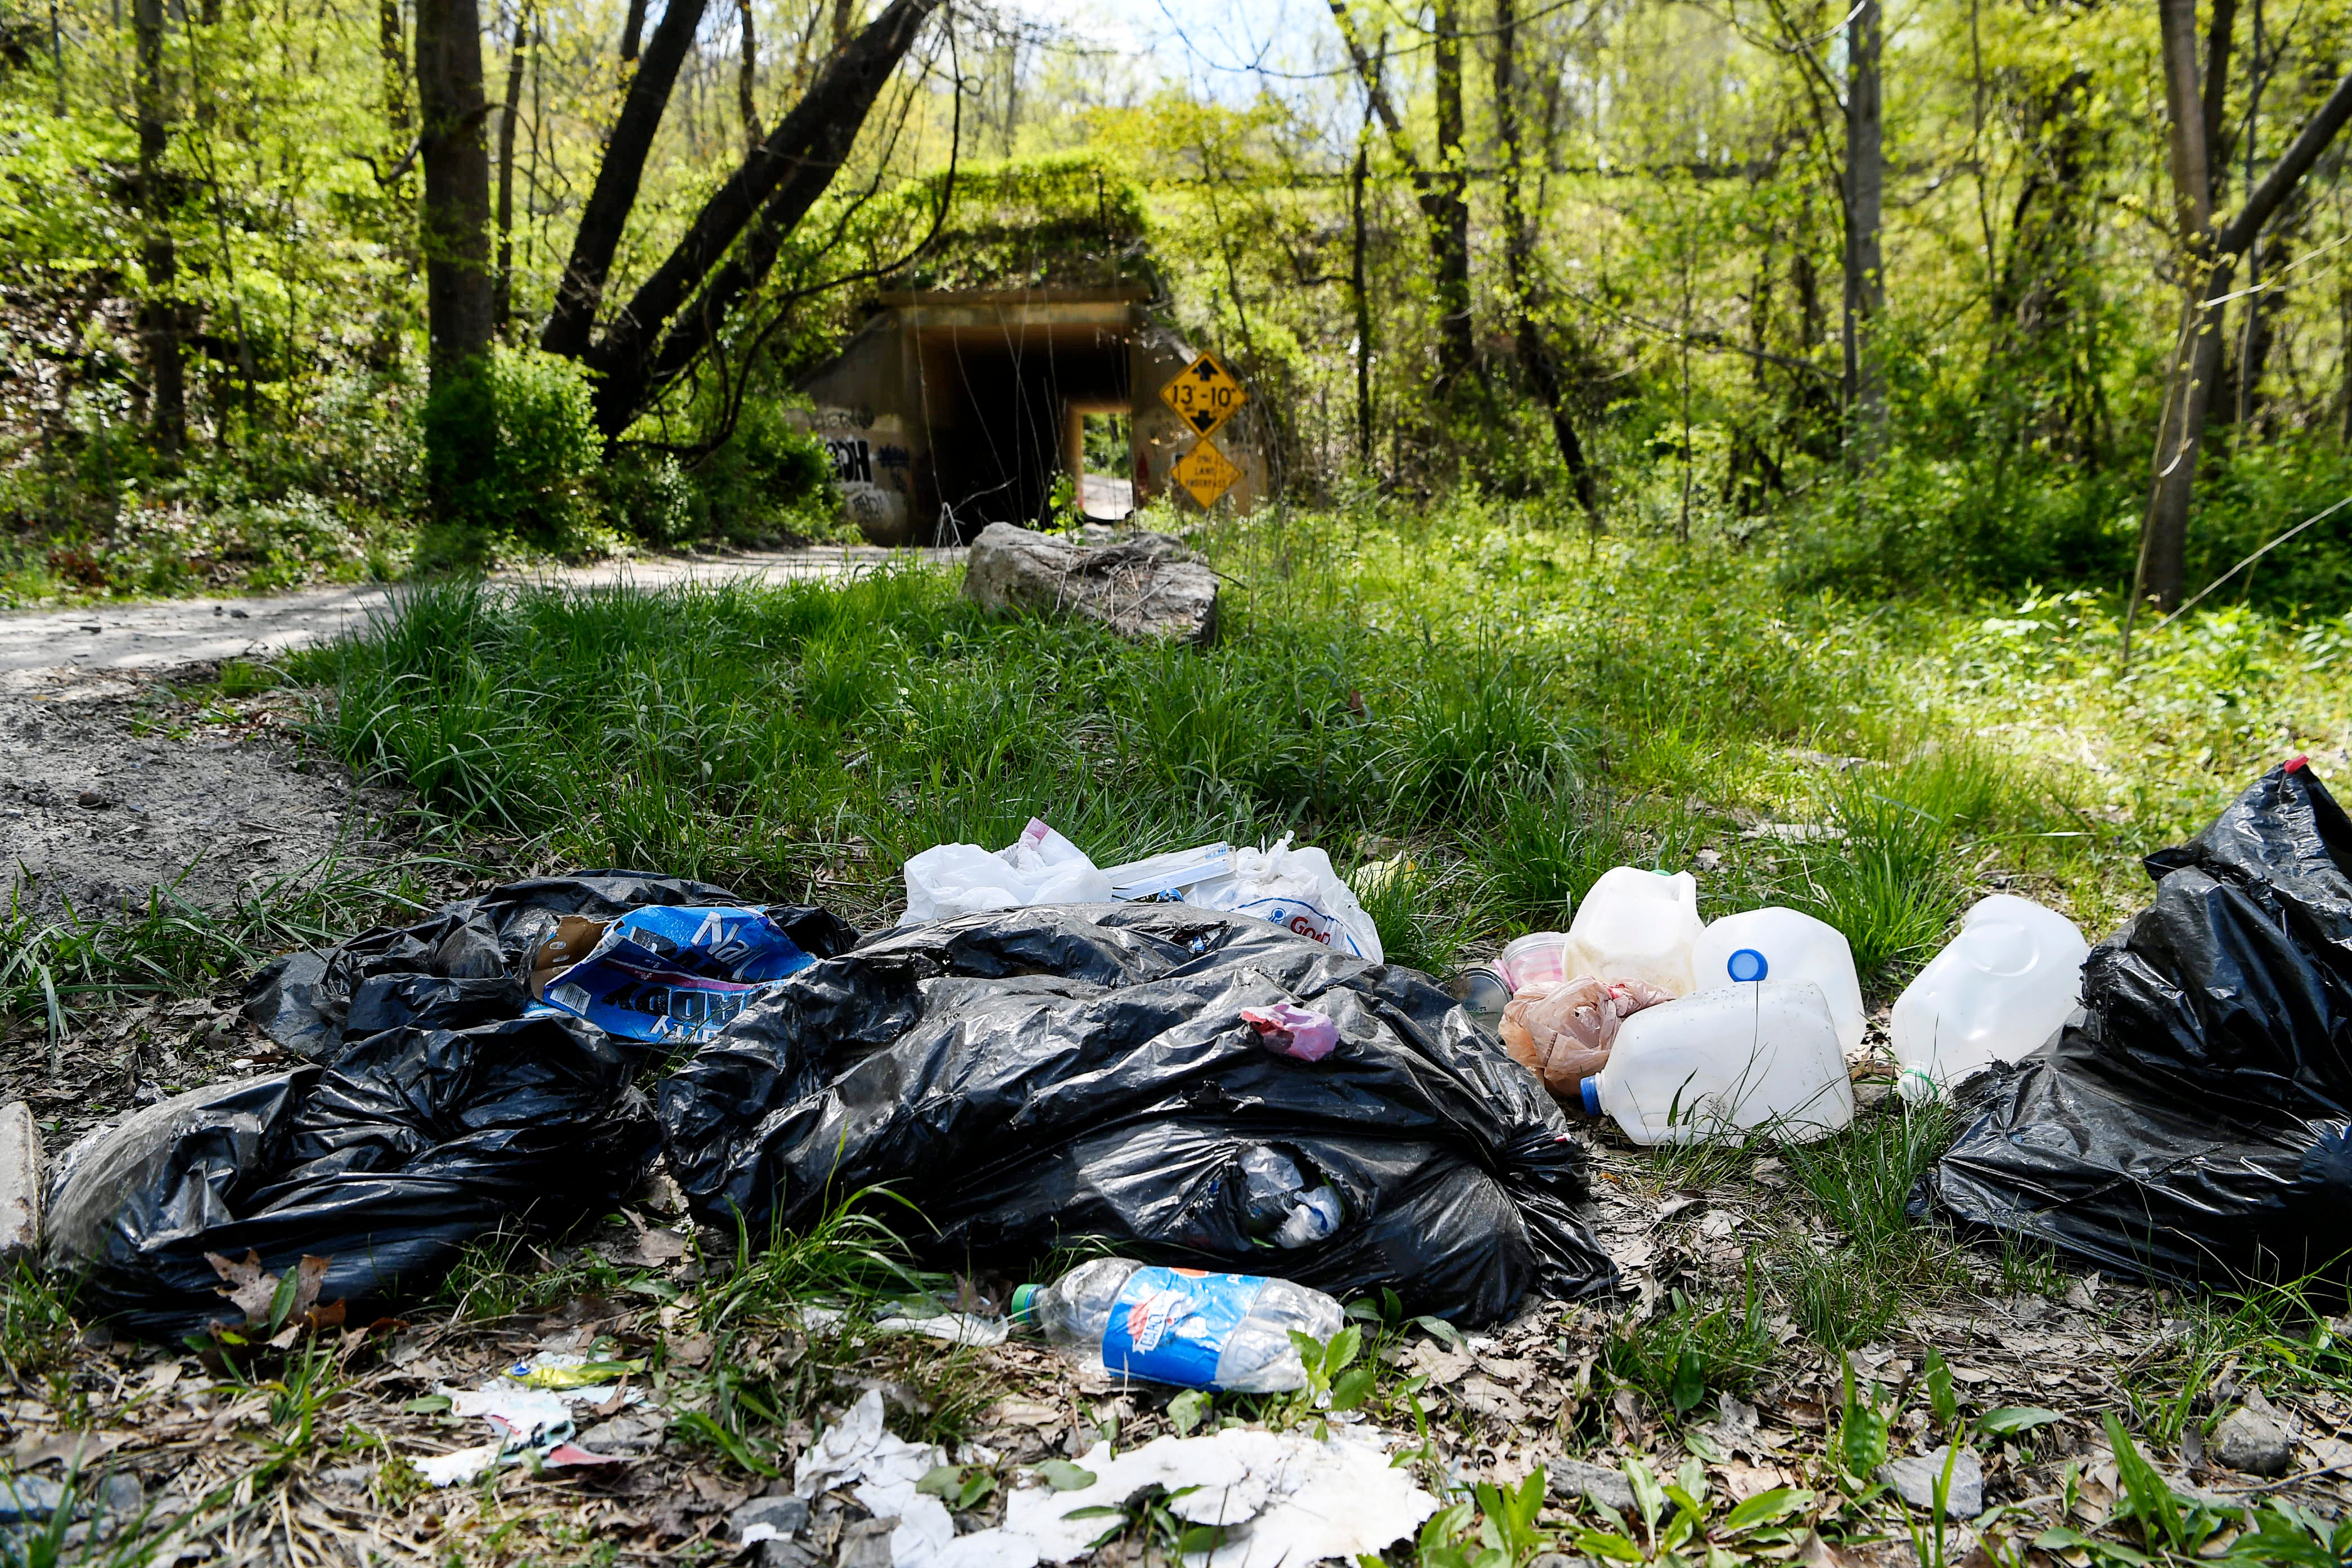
(858, 1452)
(954, 1328)
(1281, 1496)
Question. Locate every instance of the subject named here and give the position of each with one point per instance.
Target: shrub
(512, 453)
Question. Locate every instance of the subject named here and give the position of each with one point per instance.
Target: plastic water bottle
(1181, 1326)
(1637, 925)
(1791, 946)
(1283, 1209)
(2004, 985)
(1716, 1065)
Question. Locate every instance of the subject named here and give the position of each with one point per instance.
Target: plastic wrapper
(1561, 1031)
(1032, 1078)
(438, 1111)
(2190, 1122)
(474, 961)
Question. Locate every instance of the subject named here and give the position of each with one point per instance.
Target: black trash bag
(2189, 1124)
(469, 961)
(1029, 1078)
(439, 1112)
(387, 1162)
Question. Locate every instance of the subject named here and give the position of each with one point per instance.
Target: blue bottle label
(1171, 1325)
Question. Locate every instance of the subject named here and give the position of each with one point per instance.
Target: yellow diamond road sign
(1204, 395)
(1204, 472)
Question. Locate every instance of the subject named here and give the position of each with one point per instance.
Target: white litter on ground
(1280, 1497)
(529, 1421)
(858, 1452)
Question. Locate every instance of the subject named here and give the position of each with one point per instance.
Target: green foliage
(1076, 219)
(767, 478)
(1680, 1355)
(511, 454)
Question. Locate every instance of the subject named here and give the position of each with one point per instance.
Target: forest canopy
(1938, 297)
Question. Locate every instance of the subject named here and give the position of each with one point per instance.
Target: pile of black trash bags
(1017, 1081)
(2190, 1122)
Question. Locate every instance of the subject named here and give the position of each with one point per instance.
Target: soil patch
(114, 784)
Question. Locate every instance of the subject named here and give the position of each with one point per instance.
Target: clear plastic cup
(1538, 958)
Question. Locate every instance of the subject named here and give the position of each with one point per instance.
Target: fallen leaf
(250, 1287)
(1818, 1553)
(613, 1406)
(691, 1350)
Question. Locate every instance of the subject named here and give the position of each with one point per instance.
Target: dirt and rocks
(115, 785)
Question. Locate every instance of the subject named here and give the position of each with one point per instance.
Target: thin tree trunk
(1865, 282)
(659, 331)
(581, 291)
(633, 29)
(1359, 287)
(2209, 259)
(502, 295)
(159, 312)
(1457, 344)
(455, 231)
(392, 40)
(1535, 354)
(747, 76)
(845, 22)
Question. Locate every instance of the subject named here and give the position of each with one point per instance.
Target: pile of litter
(447, 1101)
(1035, 1076)
(1276, 1498)
(1683, 1032)
(2191, 1121)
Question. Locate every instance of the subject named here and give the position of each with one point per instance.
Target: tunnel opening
(1006, 406)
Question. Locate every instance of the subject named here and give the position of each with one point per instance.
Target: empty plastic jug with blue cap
(1790, 946)
(1760, 1055)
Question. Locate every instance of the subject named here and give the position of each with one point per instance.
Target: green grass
(800, 739)
(65, 966)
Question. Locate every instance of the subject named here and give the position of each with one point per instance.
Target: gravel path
(117, 776)
(176, 632)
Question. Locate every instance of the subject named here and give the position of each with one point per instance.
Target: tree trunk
(644, 349)
(845, 22)
(1439, 195)
(455, 232)
(159, 311)
(1865, 282)
(1359, 287)
(1450, 232)
(633, 29)
(1535, 355)
(747, 76)
(2209, 256)
(502, 294)
(581, 291)
(392, 40)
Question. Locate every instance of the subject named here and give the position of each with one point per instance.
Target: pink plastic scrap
(1289, 1031)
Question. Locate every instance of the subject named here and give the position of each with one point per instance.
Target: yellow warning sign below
(1205, 394)
(1204, 472)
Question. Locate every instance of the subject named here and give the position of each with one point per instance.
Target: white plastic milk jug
(1637, 925)
(1789, 946)
(1715, 1064)
(2002, 987)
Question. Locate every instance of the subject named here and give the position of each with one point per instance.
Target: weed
(1679, 1356)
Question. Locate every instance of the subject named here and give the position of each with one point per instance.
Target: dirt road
(118, 775)
(178, 632)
